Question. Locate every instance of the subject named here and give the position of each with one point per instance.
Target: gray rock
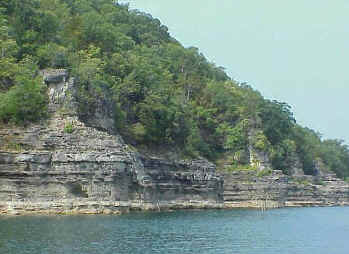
(92, 170)
(54, 75)
(246, 189)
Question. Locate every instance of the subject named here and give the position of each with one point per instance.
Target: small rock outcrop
(258, 158)
(54, 75)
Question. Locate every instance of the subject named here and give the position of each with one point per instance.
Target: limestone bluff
(79, 164)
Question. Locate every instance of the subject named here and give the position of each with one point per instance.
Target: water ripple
(295, 231)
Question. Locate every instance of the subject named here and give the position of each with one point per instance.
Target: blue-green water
(303, 230)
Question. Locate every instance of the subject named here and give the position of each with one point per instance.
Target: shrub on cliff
(24, 102)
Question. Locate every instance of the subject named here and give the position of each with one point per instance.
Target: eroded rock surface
(64, 165)
(247, 189)
(70, 164)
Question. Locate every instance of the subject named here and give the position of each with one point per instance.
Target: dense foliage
(164, 94)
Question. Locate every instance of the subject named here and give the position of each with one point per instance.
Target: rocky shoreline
(93, 207)
(242, 189)
(245, 189)
(70, 165)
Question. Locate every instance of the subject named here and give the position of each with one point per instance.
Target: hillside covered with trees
(164, 94)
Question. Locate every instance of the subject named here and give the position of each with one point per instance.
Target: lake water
(301, 230)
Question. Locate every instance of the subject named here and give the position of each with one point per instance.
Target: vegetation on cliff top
(163, 93)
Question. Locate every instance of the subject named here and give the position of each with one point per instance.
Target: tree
(277, 120)
(25, 102)
(335, 154)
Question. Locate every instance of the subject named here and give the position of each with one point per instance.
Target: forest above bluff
(163, 94)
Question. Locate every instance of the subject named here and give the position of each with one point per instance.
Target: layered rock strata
(64, 165)
(90, 171)
(247, 189)
(78, 164)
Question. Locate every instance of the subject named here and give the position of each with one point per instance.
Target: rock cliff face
(64, 165)
(247, 189)
(70, 164)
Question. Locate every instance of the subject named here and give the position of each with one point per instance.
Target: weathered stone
(90, 170)
(257, 158)
(44, 169)
(54, 75)
(246, 189)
